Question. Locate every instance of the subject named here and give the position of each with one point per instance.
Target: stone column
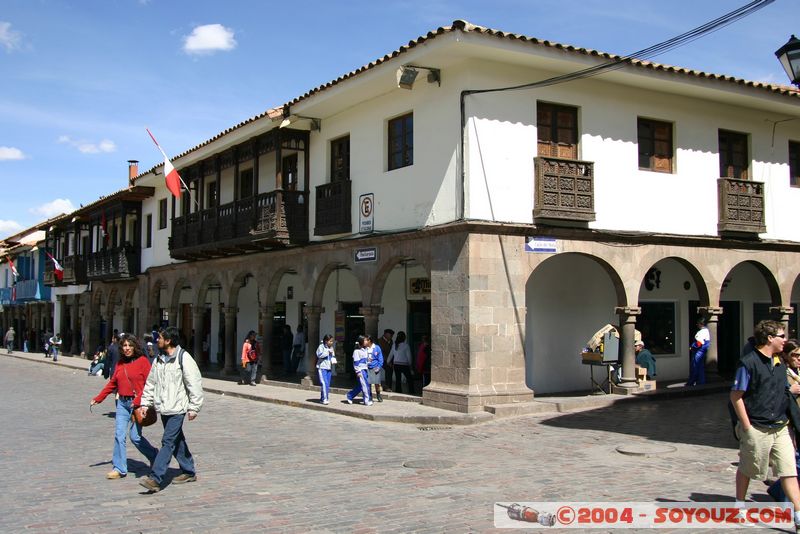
(76, 336)
(711, 315)
(313, 314)
(197, 350)
(267, 315)
(231, 358)
(627, 321)
(37, 325)
(48, 317)
(371, 314)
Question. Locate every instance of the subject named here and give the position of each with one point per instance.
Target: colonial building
(509, 225)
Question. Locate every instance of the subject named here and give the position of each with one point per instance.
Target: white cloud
(85, 147)
(8, 153)
(10, 39)
(208, 39)
(8, 228)
(51, 209)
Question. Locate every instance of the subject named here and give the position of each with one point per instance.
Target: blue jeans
(697, 368)
(123, 424)
(173, 442)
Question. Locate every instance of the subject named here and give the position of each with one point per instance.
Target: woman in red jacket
(128, 381)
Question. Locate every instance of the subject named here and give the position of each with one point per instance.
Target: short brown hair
(766, 328)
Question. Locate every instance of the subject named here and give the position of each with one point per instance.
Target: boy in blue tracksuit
(325, 360)
(374, 367)
(360, 364)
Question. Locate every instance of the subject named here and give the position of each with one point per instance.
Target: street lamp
(789, 56)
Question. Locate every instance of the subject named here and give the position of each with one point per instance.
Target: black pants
(401, 370)
(389, 370)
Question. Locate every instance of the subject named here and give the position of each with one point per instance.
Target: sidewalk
(402, 408)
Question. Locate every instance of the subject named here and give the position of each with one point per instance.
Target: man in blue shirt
(761, 401)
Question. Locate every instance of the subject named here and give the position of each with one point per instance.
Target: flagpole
(191, 196)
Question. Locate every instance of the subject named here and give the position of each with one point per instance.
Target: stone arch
(237, 283)
(322, 281)
(379, 281)
(154, 301)
(176, 292)
(209, 281)
(700, 283)
(769, 278)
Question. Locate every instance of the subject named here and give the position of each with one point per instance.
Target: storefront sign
(364, 255)
(419, 286)
(543, 245)
(366, 213)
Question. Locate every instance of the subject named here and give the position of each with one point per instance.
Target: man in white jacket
(175, 388)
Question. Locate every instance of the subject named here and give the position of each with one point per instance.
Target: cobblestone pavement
(282, 469)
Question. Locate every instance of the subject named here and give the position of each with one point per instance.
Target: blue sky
(82, 79)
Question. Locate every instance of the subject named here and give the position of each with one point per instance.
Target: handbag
(149, 417)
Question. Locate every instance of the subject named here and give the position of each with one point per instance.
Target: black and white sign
(366, 213)
(364, 255)
(542, 245)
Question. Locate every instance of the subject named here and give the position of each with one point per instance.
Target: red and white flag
(57, 268)
(171, 176)
(104, 228)
(13, 269)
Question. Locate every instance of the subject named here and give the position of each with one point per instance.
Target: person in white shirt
(400, 358)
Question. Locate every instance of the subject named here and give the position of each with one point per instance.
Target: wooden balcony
(333, 208)
(741, 207)
(564, 190)
(30, 290)
(74, 270)
(268, 220)
(118, 263)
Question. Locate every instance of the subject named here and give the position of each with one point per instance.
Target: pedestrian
(249, 359)
(385, 343)
(128, 382)
(423, 360)
(645, 359)
(149, 347)
(287, 343)
(55, 346)
(791, 357)
(374, 366)
(761, 402)
(298, 348)
(98, 362)
(8, 339)
(325, 360)
(112, 356)
(46, 344)
(360, 356)
(401, 360)
(175, 389)
(697, 355)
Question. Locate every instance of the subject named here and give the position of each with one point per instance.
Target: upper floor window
(733, 159)
(794, 163)
(289, 172)
(340, 159)
(655, 145)
(557, 130)
(401, 141)
(245, 183)
(162, 213)
(211, 195)
(148, 229)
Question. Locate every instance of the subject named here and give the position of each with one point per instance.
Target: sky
(80, 80)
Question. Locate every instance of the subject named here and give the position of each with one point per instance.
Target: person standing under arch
(697, 355)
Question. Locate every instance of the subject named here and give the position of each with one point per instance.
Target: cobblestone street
(268, 467)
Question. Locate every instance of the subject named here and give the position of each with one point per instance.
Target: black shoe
(380, 399)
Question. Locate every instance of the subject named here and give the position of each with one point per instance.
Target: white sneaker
(325, 402)
(348, 400)
(370, 403)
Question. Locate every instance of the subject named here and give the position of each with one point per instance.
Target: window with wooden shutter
(340, 159)
(655, 145)
(794, 163)
(401, 142)
(733, 159)
(557, 130)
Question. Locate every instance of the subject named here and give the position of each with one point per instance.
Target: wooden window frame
(794, 163)
(727, 166)
(655, 142)
(211, 195)
(246, 176)
(340, 170)
(405, 147)
(148, 239)
(555, 136)
(162, 214)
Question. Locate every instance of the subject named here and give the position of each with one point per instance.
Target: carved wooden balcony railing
(267, 220)
(116, 263)
(333, 208)
(564, 190)
(741, 206)
(74, 270)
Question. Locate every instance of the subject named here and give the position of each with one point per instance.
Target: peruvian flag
(57, 268)
(13, 269)
(170, 174)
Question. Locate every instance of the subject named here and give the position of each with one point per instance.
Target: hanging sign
(366, 213)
